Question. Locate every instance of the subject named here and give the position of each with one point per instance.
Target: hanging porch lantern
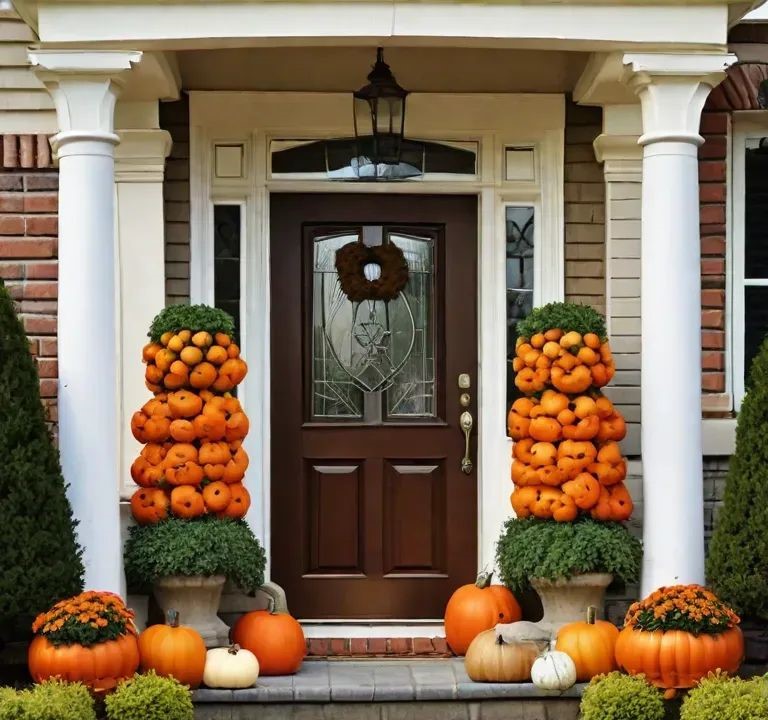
(379, 113)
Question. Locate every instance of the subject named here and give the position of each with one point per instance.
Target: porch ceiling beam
(191, 25)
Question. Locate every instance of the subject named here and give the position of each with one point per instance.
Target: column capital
(621, 156)
(85, 85)
(673, 88)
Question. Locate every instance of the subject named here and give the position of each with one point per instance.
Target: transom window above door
(374, 361)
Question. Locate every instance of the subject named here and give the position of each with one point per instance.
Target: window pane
(520, 225)
(755, 323)
(756, 213)
(226, 263)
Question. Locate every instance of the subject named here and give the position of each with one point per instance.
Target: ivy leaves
(191, 317)
(565, 316)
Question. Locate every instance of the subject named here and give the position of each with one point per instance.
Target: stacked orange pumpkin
(193, 461)
(566, 455)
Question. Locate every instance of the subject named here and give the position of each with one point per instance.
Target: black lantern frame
(379, 115)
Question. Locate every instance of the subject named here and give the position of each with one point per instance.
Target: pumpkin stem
(499, 640)
(234, 649)
(172, 618)
(277, 603)
(484, 580)
(591, 615)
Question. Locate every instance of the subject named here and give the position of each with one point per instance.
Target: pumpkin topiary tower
(41, 560)
(737, 566)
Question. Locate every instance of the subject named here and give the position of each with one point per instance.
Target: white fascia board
(758, 14)
(195, 24)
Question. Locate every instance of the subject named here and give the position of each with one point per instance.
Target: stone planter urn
(196, 598)
(566, 601)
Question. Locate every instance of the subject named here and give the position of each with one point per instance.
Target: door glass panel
(226, 261)
(372, 360)
(519, 221)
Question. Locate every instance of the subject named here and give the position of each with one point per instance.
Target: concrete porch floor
(385, 690)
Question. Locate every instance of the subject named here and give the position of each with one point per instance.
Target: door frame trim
(495, 122)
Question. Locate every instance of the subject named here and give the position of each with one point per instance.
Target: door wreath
(351, 260)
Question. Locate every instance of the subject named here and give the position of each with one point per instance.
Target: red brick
(358, 646)
(11, 202)
(712, 360)
(51, 410)
(340, 646)
(40, 202)
(422, 646)
(714, 148)
(43, 271)
(34, 347)
(11, 271)
(319, 647)
(712, 170)
(712, 228)
(49, 347)
(48, 387)
(712, 214)
(11, 225)
(440, 645)
(714, 123)
(11, 182)
(713, 382)
(712, 339)
(25, 248)
(40, 291)
(38, 307)
(712, 266)
(47, 368)
(400, 646)
(713, 245)
(713, 319)
(377, 646)
(43, 181)
(713, 298)
(712, 192)
(39, 325)
(42, 225)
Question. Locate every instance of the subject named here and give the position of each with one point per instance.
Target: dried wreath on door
(377, 272)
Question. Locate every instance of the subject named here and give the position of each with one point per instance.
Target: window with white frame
(750, 252)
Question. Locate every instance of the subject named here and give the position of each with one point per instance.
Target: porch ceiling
(344, 69)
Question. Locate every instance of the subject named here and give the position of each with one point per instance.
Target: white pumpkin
(553, 670)
(230, 667)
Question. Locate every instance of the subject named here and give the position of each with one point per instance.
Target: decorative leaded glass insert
(226, 262)
(372, 360)
(519, 227)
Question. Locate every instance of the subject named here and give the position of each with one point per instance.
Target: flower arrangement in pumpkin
(566, 456)
(193, 461)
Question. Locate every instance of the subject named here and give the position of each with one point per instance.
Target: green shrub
(719, 697)
(565, 316)
(191, 317)
(41, 561)
(621, 697)
(204, 546)
(50, 700)
(150, 697)
(737, 566)
(533, 548)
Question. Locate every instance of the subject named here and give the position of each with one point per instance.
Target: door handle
(466, 422)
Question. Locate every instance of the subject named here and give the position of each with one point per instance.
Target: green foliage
(564, 316)
(41, 561)
(737, 566)
(191, 317)
(621, 697)
(551, 550)
(50, 700)
(150, 697)
(719, 697)
(204, 546)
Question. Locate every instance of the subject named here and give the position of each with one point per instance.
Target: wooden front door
(372, 514)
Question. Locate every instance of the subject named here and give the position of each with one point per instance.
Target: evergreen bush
(621, 697)
(41, 561)
(737, 566)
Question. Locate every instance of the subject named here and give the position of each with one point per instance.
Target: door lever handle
(466, 422)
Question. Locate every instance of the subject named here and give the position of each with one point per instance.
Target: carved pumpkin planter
(477, 607)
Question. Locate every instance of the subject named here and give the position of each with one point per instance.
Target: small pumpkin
(238, 504)
(273, 636)
(553, 670)
(476, 607)
(217, 496)
(490, 659)
(591, 645)
(230, 667)
(173, 650)
(187, 502)
(184, 404)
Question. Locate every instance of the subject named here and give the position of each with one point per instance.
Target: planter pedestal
(566, 601)
(196, 599)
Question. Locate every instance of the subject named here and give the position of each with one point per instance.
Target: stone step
(385, 690)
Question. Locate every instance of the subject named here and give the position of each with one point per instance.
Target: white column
(672, 91)
(85, 86)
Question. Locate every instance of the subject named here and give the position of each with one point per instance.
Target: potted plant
(678, 635)
(570, 565)
(186, 563)
(738, 553)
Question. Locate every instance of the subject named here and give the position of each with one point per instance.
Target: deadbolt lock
(464, 381)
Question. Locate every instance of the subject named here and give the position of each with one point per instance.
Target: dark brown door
(372, 515)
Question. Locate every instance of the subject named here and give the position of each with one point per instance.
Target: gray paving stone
(351, 682)
(393, 683)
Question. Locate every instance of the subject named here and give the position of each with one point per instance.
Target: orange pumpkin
(274, 637)
(545, 429)
(99, 666)
(173, 650)
(584, 490)
(591, 645)
(615, 503)
(517, 425)
(239, 502)
(190, 473)
(571, 382)
(216, 355)
(202, 376)
(210, 427)
(573, 457)
(149, 506)
(191, 356)
(476, 607)
(521, 450)
(183, 431)
(234, 472)
(678, 659)
(214, 453)
(543, 454)
(237, 427)
(186, 502)
(613, 427)
(184, 404)
(217, 496)
(149, 351)
(222, 339)
(585, 429)
(553, 403)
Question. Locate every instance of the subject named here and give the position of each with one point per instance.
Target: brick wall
(174, 117)
(28, 248)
